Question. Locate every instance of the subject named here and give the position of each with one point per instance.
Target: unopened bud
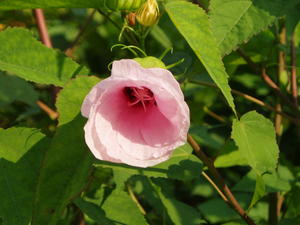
(131, 19)
(148, 14)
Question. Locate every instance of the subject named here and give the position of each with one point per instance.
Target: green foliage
(48, 175)
(20, 162)
(230, 156)
(193, 23)
(255, 137)
(68, 162)
(182, 165)
(150, 62)
(29, 59)
(120, 208)
(235, 22)
(15, 89)
(93, 211)
(180, 213)
(33, 4)
(70, 99)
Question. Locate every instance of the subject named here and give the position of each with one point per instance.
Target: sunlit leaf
(193, 23)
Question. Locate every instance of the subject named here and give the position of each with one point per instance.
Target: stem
(45, 38)
(219, 181)
(294, 71)
(273, 197)
(214, 115)
(277, 90)
(252, 99)
(134, 198)
(128, 36)
(273, 201)
(268, 80)
(51, 113)
(73, 45)
(42, 27)
(249, 61)
(215, 186)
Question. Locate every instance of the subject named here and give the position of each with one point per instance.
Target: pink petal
(137, 136)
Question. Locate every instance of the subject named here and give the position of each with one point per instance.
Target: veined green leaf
(119, 207)
(235, 22)
(20, 162)
(70, 99)
(14, 88)
(33, 4)
(28, 58)
(68, 161)
(193, 23)
(179, 212)
(255, 137)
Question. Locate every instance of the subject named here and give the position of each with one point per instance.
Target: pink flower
(137, 116)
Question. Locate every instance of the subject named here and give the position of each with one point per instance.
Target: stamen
(139, 97)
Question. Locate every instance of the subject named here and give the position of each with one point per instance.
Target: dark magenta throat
(139, 97)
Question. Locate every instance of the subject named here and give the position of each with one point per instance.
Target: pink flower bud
(137, 116)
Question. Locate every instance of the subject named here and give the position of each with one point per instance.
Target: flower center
(139, 96)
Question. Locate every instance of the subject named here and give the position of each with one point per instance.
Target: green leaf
(260, 190)
(235, 22)
(21, 154)
(230, 156)
(275, 182)
(93, 211)
(216, 210)
(70, 99)
(150, 62)
(192, 22)
(182, 165)
(13, 88)
(20, 4)
(28, 58)
(255, 137)
(179, 212)
(120, 208)
(160, 35)
(68, 162)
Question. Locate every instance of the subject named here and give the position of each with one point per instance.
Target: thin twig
(51, 113)
(273, 201)
(134, 198)
(249, 61)
(70, 50)
(294, 71)
(214, 115)
(262, 71)
(277, 90)
(42, 27)
(250, 98)
(130, 38)
(215, 186)
(219, 181)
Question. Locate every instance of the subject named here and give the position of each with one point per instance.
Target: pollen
(139, 97)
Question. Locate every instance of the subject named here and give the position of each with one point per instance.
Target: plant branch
(130, 38)
(252, 99)
(215, 187)
(256, 68)
(294, 71)
(214, 115)
(42, 27)
(219, 181)
(277, 90)
(134, 198)
(83, 28)
(253, 65)
(51, 113)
